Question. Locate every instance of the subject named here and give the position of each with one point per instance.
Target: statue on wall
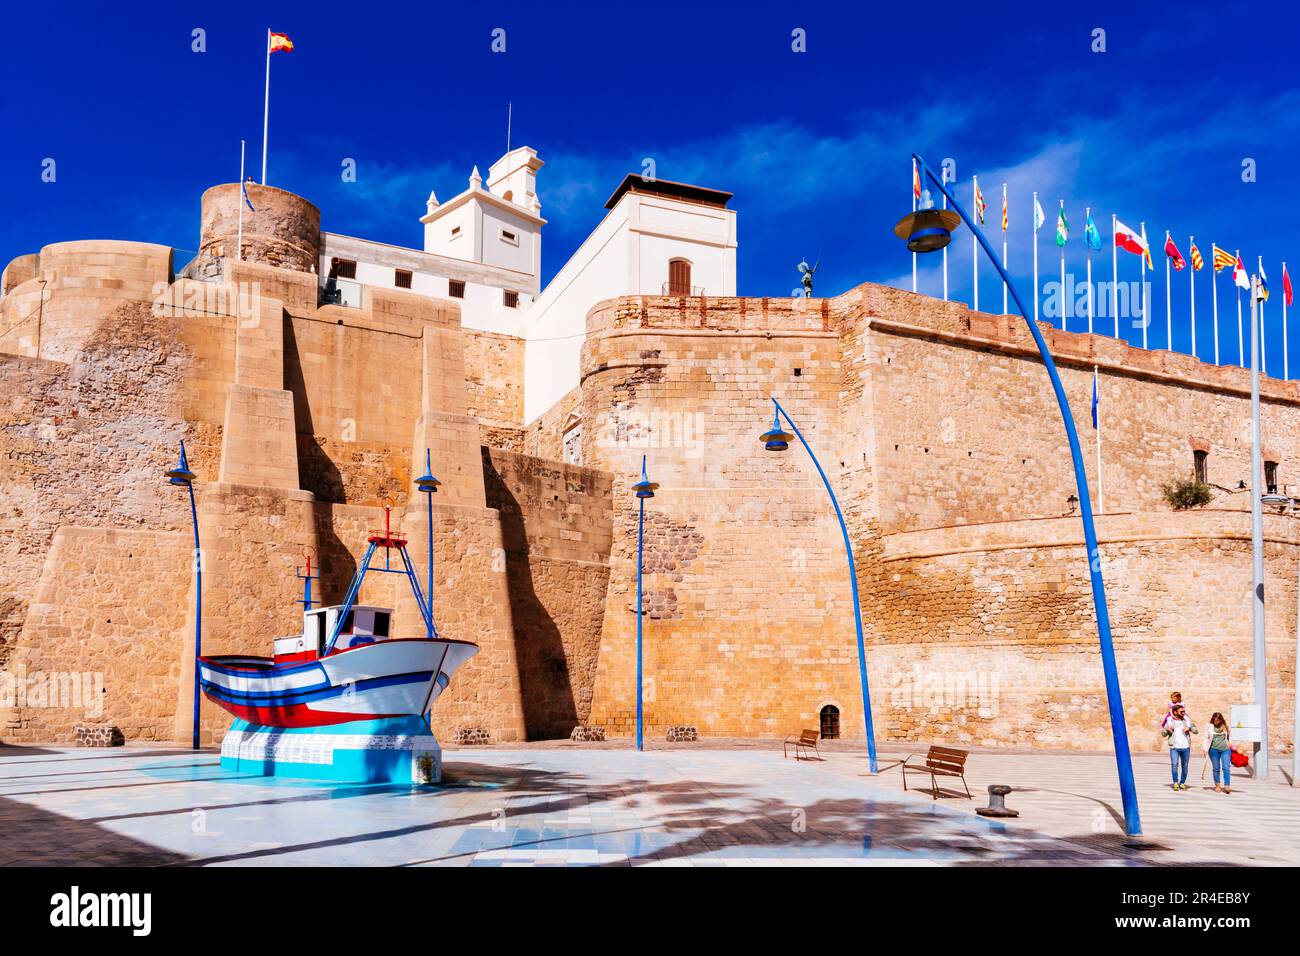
(806, 274)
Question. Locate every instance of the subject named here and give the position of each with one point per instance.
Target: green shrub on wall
(1183, 493)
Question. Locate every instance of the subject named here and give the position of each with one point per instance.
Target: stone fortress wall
(935, 425)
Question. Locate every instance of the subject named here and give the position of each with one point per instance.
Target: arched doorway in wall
(830, 722)
(679, 277)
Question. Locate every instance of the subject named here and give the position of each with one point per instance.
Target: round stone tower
(282, 229)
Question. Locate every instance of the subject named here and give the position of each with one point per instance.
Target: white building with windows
(483, 247)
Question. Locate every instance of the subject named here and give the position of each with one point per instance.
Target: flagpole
(1146, 312)
(945, 248)
(1214, 291)
(1263, 342)
(1114, 275)
(1241, 339)
(1035, 256)
(1169, 303)
(1101, 495)
(1004, 251)
(1191, 286)
(974, 245)
(1286, 352)
(266, 106)
(1087, 247)
(915, 180)
(239, 243)
(1062, 272)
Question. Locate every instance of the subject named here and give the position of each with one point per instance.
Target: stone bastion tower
(306, 406)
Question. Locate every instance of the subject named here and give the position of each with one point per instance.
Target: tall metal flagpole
(1214, 291)
(239, 242)
(1062, 272)
(916, 178)
(1191, 287)
(974, 245)
(1146, 312)
(945, 248)
(1101, 493)
(1035, 214)
(1087, 249)
(1169, 302)
(1004, 247)
(1114, 275)
(1241, 342)
(266, 106)
(1286, 351)
(1263, 339)
(1257, 537)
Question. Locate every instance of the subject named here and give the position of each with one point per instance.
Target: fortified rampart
(935, 425)
(939, 431)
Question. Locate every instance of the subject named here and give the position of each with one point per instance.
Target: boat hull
(394, 678)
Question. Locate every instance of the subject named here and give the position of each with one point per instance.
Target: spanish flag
(280, 41)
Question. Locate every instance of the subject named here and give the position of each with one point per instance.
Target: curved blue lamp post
(645, 488)
(778, 439)
(428, 485)
(181, 475)
(927, 230)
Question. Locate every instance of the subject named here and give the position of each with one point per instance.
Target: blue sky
(815, 145)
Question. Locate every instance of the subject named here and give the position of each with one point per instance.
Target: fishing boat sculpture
(343, 700)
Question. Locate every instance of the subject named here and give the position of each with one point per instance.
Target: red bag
(1239, 759)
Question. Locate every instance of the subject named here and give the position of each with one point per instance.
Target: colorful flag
(248, 202)
(1146, 250)
(1222, 258)
(281, 41)
(1091, 234)
(1039, 218)
(1004, 207)
(1263, 282)
(1128, 240)
(1286, 286)
(980, 204)
(1198, 263)
(1062, 227)
(1239, 276)
(1174, 255)
(916, 180)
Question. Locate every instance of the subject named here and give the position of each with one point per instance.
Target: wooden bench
(939, 762)
(805, 741)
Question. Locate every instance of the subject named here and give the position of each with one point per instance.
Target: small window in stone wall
(401, 278)
(510, 299)
(1199, 460)
(456, 288)
(343, 268)
(1270, 477)
(573, 446)
(830, 719)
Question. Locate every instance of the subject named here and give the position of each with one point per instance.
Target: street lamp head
(426, 482)
(927, 229)
(181, 474)
(645, 488)
(776, 438)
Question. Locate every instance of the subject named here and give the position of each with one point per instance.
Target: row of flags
(1127, 239)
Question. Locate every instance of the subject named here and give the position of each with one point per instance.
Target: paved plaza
(568, 804)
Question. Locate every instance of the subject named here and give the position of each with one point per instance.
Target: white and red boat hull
(391, 678)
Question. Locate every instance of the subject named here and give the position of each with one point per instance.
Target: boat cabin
(363, 625)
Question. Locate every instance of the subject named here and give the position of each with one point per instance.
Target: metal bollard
(997, 803)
